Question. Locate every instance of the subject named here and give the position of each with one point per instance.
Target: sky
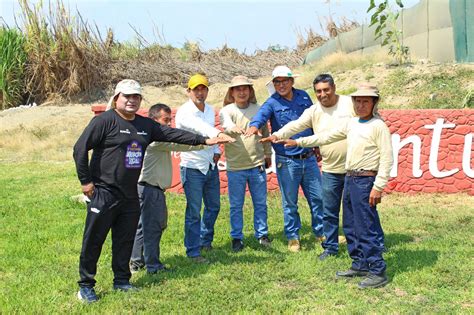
(242, 24)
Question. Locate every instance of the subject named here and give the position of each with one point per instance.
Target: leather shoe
(351, 273)
(237, 245)
(294, 246)
(373, 281)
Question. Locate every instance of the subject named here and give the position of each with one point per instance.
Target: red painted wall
(444, 139)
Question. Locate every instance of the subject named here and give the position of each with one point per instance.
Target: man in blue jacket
(295, 166)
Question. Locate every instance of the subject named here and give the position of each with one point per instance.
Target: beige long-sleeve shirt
(369, 146)
(157, 167)
(322, 118)
(245, 152)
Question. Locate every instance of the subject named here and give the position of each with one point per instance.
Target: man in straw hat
(329, 112)
(199, 173)
(246, 160)
(368, 163)
(295, 167)
(118, 139)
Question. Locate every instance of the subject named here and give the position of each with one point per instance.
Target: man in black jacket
(118, 139)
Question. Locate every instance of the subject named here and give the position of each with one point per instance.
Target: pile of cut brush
(67, 58)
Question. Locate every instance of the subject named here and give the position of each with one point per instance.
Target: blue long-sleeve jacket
(280, 111)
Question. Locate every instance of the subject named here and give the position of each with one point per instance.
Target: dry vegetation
(67, 53)
(49, 132)
(68, 59)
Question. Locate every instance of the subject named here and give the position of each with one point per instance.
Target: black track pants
(107, 211)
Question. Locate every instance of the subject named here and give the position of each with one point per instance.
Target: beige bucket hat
(368, 89)
(239, 80)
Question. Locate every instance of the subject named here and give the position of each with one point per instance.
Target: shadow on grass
(403, 260)
(394, 239)
(183, 267)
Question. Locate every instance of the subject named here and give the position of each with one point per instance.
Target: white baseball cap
(126, 86)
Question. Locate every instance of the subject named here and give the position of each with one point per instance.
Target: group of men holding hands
(353, 141)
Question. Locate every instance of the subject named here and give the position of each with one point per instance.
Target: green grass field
(429, 239)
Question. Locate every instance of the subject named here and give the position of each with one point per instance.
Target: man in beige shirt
(330, 111)
(155, 178)
(368, 163)
(246, 160)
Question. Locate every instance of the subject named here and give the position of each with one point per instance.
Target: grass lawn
(429, 239)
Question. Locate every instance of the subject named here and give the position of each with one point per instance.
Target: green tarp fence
(462, 17)
(439, 30)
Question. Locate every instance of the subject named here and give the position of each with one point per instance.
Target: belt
(361, 173)
(299, 156)
(149, 185)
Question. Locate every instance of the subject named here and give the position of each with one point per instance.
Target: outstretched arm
(304, 122)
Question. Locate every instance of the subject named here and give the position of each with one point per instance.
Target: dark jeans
(333, 186)
(153, 221)
(108, 211)
(361, 225)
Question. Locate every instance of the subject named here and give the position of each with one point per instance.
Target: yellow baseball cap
(197, 79)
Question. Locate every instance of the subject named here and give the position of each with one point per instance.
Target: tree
(385, 17)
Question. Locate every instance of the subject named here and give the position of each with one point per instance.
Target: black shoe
(325, 255)
(237, 245)
(125, 287)
(264, 241)
(87, 295)
(351, 273)
(373, 281)
(136, 266)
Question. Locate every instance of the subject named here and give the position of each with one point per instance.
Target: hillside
(47, 132)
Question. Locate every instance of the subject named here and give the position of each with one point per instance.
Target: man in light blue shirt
(295, 166)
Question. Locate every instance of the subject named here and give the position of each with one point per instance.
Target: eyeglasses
(282, 82)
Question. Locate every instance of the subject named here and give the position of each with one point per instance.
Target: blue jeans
(256, 178)
(333, 186)
(198, 188)
(291, 174)
(361, 225)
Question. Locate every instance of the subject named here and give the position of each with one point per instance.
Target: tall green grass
(12, 65)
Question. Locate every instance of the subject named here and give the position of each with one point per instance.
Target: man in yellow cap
(199, 173)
